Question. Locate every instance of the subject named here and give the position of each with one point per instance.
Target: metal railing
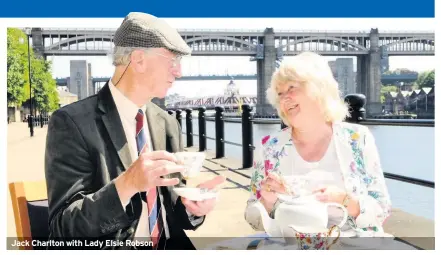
(247, 120)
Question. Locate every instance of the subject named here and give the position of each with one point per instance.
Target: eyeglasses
(176, 60)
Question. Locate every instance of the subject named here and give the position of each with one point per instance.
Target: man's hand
(146, 173)
(201, 208)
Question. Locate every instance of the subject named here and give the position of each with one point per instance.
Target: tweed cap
(143, 30)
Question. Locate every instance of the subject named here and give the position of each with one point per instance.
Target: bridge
(209, 42)
(266, 47)
(385, 78)
(233, 102)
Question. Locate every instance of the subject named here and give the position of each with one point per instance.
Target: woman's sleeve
(375, 206)
(252, 212)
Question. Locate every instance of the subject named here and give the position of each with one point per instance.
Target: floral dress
(361, 172)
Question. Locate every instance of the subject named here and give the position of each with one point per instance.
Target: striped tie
(154, 208)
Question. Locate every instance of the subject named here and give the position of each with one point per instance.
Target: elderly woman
(322, 156)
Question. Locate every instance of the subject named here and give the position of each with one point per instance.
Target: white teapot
(301, 212)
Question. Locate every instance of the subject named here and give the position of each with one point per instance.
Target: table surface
(262, 241)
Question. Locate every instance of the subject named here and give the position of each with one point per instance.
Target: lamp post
(31, 119)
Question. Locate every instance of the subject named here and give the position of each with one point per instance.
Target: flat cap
(143, 30)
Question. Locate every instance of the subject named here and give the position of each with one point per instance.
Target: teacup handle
(345, 211)
(296, 232)
(336, 238)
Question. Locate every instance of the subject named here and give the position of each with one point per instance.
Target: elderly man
(110, 166)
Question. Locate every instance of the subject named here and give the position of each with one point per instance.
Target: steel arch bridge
(246, 42)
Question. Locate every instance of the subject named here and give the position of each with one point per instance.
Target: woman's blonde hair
(311, 71)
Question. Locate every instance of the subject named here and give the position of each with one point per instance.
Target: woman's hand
(332, 194)
(268, 199)
(274, 183)
(270, 186)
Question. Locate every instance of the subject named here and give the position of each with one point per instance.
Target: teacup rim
(310, 230)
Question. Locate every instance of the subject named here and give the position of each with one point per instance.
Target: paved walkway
(26, 163)
(25, 160)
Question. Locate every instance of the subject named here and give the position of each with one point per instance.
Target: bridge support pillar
(374, 88)
(38, 42)
(362, 74)
(265, 69)
(369, 75)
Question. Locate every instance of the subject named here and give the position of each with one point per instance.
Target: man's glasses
(176, 61)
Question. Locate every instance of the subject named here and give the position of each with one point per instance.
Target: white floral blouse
(359, 162)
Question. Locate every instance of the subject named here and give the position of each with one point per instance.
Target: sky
(101, 66)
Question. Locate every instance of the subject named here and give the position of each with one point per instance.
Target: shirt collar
(125, 106)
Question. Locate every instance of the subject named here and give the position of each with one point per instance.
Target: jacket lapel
(112, 122)
(156, 125)
(345, 155)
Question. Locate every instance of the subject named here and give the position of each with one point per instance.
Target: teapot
(299, 213)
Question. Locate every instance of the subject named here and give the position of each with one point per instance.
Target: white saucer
(296, 200)
(196, 194)
(367, 240)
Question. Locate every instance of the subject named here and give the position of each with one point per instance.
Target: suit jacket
(86, 150)
(360, 166)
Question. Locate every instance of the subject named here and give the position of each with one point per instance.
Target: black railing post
(41, 120)
(179, 117)
(356, 103)
(282, 124)
(247, 136)
(189, 128)
(220, 132)
(202, 129)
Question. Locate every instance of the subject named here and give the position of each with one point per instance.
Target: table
(262, 241)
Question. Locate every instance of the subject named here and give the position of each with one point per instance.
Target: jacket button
(130, 231)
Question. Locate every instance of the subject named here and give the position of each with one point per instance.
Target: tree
(386, 89)
(15, 81)
(399, 71)
(15, 68)
(44, 86)
(426, 79)
(429, 80)
(44, 92)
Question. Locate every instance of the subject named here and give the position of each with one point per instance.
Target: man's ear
(137, 58)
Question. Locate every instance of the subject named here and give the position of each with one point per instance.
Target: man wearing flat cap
(110, 167)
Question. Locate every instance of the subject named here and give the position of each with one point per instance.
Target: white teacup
(192, 162)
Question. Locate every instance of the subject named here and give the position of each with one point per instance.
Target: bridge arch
(422, 40)
(231, 41)
(78, 39)
(332, 39)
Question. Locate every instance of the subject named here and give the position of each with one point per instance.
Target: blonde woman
(324, 157)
